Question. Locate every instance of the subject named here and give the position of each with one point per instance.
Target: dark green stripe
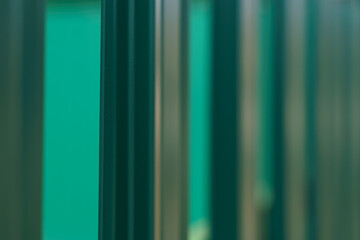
(127, 112)
(225, 122)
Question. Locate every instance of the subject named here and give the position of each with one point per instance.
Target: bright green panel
(71, 151)
(200, 70)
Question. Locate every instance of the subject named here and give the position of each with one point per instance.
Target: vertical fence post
(225, 153)
(21, 110)
(143, 153)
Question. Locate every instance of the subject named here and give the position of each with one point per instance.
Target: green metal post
(225, 121)
(277, 212)
(127, 103)
(21, 110)
(143, 153)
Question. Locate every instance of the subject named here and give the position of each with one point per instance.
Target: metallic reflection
(171, 120)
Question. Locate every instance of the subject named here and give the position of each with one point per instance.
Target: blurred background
(297, 118)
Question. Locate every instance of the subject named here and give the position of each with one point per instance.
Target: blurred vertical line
(132, 163)
(152, 61)
(294, 121)
(143, 119)
(345, 98)
(185, 114)
(143, 159)
(325, 124)
(264, 192)
(108, 106)
(121, 80)
(11, 224)
(173, 90)
(157, 110)
(199, 110)
(338, 120)
(277, 214)
(355, 118)
(225, 121)
(341, 120)
(127, 121)
(311, 155)
(249, 227)
(21, 110)
(32, 91)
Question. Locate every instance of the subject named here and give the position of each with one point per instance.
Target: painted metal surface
(225, 200)
(71, 121)
(143, 158)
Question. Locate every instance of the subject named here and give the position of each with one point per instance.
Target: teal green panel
(72, 98)
(200, 70)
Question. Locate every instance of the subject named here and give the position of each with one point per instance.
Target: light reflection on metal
(170, 120)
(294, 124)
(250, 211)
(144, 120)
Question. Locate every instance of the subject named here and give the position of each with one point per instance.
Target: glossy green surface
(200, 111)
(71, 144)
(72, 120)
